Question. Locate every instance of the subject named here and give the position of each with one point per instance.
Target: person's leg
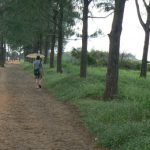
(40, 80)
(37, 81)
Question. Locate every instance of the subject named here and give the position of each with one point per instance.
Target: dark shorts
(37, 73)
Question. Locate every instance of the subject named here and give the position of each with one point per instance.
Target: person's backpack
(37, 72)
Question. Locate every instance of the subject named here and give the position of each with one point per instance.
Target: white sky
(132, 37)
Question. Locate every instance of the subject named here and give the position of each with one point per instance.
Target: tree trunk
(53, 40)
(47, 44)
(83, 65)
(27, 50)
(145, 53)
(2, 54)
(36, 46)
(40, 42)
(4, 50)
(60, 40)
(111, 89)
(146, 45)
(52, 54)
(147, 31)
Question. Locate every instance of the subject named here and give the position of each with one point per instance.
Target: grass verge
(122, 124)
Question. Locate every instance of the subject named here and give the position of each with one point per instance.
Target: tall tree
(111, 89)
(30, 26)
(3, 8)
(53, 36)
(65, 22)
(46, 48)
(146, 27)
(60, 37)
(26, 24)
(106, 5)
(2, 52)
(83, 65)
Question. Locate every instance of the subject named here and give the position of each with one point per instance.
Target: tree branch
(89, 1)
(145, 3)
(101, 17)
(139, 15)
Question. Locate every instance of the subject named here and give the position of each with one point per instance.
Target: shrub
(100, 58)
(130, 64)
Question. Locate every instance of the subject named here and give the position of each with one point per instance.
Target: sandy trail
(30, 119)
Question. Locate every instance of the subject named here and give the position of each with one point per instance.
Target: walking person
(38, 71)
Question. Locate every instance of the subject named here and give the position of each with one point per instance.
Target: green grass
(122, 124)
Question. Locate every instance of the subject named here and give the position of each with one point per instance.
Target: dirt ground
(30, 119)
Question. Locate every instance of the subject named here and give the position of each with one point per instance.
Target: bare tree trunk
(145, 53)
(26, 52)
(40, 42)
(52, 52)
(111, 89)
(60, 39)
(47, 45)
(2, 54)
(83, 65)
(53, 40)
(146, 45)
(146, 27)
(36, 45)
(4, 49)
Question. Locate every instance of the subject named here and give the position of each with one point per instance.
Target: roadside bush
(76, 53)
(91, 60)
(130, 64)
(100, 58)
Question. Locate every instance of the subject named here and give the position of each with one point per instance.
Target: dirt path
(31, 120)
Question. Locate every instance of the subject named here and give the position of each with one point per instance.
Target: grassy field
(122, 124)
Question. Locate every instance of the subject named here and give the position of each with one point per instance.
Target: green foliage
(27, 23)
(106, 5)
(100, 58)
(14, 55)
(94, 57)
(123, 124)
(130, 64)
(96, 33)
(27, 66)
(76, 53)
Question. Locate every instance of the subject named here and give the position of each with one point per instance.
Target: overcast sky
(132, 37)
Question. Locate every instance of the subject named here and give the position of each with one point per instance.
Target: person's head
(38, 58)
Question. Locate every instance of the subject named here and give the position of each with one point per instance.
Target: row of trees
(42, 25)
(112, 71)
(37, 25)
(111, 89)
